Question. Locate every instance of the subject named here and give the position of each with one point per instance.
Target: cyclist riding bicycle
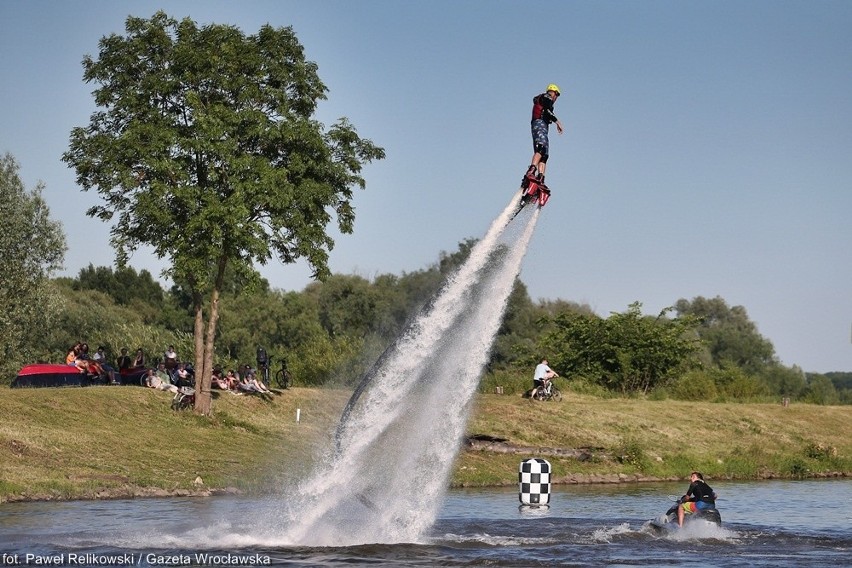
(542, 375)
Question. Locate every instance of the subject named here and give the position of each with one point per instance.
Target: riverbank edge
(135, 492)
(97, 444)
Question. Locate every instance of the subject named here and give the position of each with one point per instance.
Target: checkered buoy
(534, 482)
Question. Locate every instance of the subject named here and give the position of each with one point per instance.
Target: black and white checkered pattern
(534, 482)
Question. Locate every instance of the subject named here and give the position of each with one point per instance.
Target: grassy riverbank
(101, 442)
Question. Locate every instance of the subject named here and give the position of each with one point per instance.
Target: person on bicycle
(542, 375)
(542, 116)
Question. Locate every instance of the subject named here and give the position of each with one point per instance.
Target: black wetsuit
(700, 491)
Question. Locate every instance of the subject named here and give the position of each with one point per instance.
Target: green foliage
(784, 381)
(326, 361)
(205, 148)
(32, 247)
(840, 381)
(728, 334)
(123, 285)
(523, 324)
(819, 451)
(630, 452)
(820, 390)
(627, 352)
(694, 385)
(217, 125)
(347, 306)
(332, 331)
(733, 383)
(93, 317)
(796, 468)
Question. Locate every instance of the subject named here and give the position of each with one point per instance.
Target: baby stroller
(184, 398)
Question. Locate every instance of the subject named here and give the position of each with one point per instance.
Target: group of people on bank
(244, 380)
(168, 373)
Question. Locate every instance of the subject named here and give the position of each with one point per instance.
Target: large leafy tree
(729, 335)
(205, 148)
(32, 246)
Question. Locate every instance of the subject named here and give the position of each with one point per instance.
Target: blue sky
(707, 152)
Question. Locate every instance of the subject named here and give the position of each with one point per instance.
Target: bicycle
(283, 378)
(547, 392)
(184, 398)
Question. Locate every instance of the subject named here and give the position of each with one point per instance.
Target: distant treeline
(332, 331)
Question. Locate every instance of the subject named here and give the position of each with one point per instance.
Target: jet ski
(668, 521)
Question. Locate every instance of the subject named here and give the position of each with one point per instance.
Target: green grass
(122, 441)
(59, 443)
(664, 439)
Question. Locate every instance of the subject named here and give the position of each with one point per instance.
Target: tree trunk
(203, 403)
(205, 344)
(207, 369)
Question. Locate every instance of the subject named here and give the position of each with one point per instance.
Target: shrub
(630, 453)
(694, 385)
(733, 383)
(819, 451)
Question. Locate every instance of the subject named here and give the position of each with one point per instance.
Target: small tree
(32, 246)
(627, 351)
(206, 150)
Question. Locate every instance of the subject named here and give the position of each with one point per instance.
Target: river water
(765, 524)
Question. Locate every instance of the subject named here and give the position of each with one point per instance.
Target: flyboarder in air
(542, 116)
(533, 189)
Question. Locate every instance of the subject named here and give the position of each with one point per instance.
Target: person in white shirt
(543, 373)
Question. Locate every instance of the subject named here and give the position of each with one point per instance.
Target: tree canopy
(206, 149)
(32, 247)
(728, 333)
(331, 333)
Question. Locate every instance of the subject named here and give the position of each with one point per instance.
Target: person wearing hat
(542, 117)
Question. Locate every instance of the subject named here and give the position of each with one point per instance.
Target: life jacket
(543, 108)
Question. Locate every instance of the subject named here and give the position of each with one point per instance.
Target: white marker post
(298, 414)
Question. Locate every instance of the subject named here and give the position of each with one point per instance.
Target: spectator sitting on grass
(124, 362)
(183, 377)
(139, 361)
(71, 356)
(171, 358)
(218, 380)
(232, 381)
(100, 359)
(252, 377)
(100, 356)
(163, 374)
(153, 380)
(249, 384)
(76, 358)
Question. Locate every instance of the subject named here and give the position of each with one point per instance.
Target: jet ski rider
(698, 497)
